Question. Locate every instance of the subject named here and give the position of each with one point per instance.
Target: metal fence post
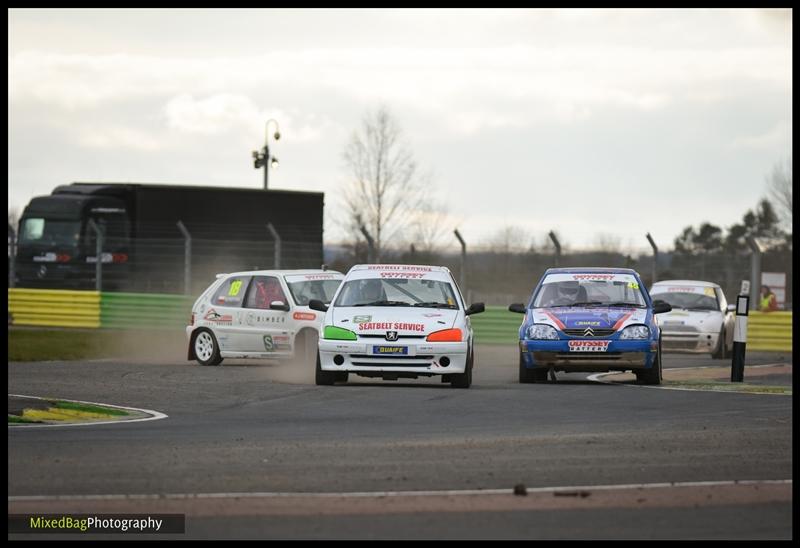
(463, 261)
(187, 259)
(277, 239)
(655, 257)
(12, 254)
(558, 246)
(755, 269)
(98, 267)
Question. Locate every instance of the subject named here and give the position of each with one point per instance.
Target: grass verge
(46, 344)
(89, 408)
(16, 419)
(730, 386)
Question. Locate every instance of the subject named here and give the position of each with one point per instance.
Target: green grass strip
(16, 419)
(89, 408)
(731, 387)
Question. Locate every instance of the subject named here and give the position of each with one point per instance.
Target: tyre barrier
(54, 308)
(93, 309)
(769, 331)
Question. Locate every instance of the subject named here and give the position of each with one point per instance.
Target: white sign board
(745, 288)
(777, 283)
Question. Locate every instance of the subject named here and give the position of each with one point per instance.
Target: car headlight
(635, 332)
(541, 331)
(331, 332)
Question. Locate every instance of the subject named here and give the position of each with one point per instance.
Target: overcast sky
(599, 124)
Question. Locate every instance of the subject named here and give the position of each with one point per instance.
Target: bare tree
(433, 226)
(384, 187)
(608, 243)
(510, 239)
(13, 218)
(779, 190)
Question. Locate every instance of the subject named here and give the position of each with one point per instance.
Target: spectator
(768, 301)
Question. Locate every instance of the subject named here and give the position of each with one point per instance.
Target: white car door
(266, 330)
(223, 312)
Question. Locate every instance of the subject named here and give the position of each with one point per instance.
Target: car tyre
(527, 376)
(342, 376)
(654, 374)
(721, 351)
(324, 378)
(463, 380)
(206, 348)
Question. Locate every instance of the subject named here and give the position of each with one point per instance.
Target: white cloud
(506, 105)
(214, 114)
(561, 82)
(115, 137)
(779, 135)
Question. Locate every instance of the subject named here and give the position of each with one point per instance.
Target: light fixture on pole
(263, 159)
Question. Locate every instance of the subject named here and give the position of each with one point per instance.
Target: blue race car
(590, 320)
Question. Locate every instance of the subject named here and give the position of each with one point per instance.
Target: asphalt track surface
(253, 449)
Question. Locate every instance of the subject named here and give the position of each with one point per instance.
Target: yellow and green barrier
(132, 310)
(54, 307)
(93, 309)
(769, 331)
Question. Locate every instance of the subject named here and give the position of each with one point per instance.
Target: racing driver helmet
(372, 290)
(568, 290)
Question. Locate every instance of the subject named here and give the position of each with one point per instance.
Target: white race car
(260, 314)
(397, 321)
(701, 320)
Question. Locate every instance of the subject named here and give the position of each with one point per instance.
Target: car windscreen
(50, 232)
(589, 290)
(397, 292)
(688, 300)
(323, 290)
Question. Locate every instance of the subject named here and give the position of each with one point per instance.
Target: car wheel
(206, 348)
(654, 374)
(719, 352)
(527, 376)
(463, 380)
(342, 376)
(324, 378)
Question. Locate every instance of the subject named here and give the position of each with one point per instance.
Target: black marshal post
(739, 338)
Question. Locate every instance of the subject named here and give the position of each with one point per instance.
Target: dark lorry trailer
(143, 247)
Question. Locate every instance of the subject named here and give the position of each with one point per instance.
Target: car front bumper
(422, 357)
(619, 356)
(691, 343)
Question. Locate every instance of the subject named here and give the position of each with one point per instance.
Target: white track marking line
(362, 494)
(597, 378)
(154, 415)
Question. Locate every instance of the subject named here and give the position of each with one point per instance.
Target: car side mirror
(279, 305)
(517, 307)
(659, 307)
(474, 308)
(316, 304)
(731, 307)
